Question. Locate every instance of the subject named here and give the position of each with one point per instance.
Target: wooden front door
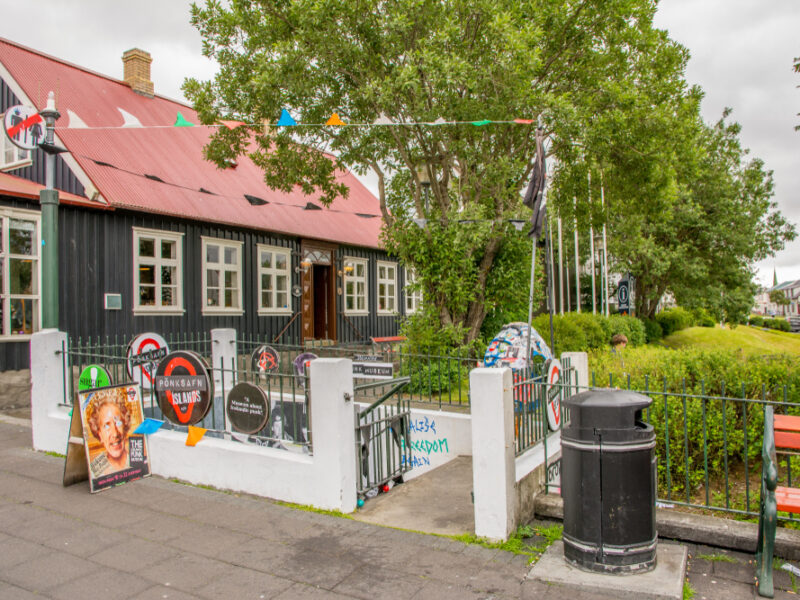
(319, 291)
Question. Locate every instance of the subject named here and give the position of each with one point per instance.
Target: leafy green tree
(418, 61)
(779, 297)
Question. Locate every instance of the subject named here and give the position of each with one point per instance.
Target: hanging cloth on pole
(534, 196)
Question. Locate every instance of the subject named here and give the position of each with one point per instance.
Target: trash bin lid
(606, 409)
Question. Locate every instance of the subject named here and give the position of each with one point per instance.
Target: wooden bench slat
(786, 439)
(788, 499)
(787, 423)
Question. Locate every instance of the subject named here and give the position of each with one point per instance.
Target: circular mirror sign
(247, 408)
(183, 387)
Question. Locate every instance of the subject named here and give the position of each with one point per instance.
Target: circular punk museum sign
(144, 352)
(265, 360)
(247, 408)
(24, 127)
(183, 387)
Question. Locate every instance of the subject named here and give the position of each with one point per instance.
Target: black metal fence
(708, 445)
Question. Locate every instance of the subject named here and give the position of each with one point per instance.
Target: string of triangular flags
(286, 120)
(149, 426)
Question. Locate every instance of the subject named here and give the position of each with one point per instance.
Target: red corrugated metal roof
(174, 155)
(11, 185)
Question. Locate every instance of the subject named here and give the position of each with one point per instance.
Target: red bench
(780, 431)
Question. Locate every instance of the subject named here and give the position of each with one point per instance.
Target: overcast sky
(741, 53)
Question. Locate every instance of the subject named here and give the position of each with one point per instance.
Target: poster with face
(109, 416)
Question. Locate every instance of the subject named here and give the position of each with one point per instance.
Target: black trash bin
(608, 482)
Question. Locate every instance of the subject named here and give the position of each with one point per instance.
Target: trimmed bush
(778, 324)
(702, 318)
(674, 319)
(756, 321)
(652, 330)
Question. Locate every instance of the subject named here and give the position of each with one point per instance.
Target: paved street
(160, 539)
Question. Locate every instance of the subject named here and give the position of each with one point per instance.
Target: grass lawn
(750, 340)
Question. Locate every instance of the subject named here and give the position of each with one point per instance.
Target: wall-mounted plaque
(247, 408)
(183, 387)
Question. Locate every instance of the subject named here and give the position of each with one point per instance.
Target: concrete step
(697, 528)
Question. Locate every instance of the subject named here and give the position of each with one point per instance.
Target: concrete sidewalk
(159, 539)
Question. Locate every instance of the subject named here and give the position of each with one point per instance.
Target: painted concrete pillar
(493, 464)
(580, 362)
(333, 430)
(223, 363)
(49, 421)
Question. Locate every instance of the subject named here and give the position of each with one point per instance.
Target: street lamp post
(48, 198)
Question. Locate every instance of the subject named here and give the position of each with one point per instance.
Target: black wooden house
(152, 237)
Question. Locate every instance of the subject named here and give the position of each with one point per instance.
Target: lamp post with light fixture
(48, 198)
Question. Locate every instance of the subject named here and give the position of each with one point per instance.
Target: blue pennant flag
(286, 119)
(149, 426)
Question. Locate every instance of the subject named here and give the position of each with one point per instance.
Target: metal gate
(383, 442)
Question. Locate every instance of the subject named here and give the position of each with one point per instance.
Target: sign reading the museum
(183, 387)
(373, 370)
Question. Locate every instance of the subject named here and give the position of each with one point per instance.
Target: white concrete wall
(326, 479)
(493, 466)
(437, 437)
(49, 421)
(580, 362)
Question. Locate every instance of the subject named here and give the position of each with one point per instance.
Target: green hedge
(674, 319)
(652, 330)
(716, 373)
(778, 324)
(756, 321)
(582, 332)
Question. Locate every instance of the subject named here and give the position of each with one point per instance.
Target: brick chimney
(136, 65)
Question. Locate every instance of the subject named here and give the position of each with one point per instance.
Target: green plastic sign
(93, 376)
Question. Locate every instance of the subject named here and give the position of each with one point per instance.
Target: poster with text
(114, 453)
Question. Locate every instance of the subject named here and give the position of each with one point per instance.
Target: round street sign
(265, 360)
(143, 355)
(24, 127)
(553, 393)
(301, 363)
(93, 376)
(247, 408)
(183, 387)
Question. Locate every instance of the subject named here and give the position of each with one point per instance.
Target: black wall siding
(64, 178)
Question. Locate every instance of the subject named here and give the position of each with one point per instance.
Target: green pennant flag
(481, 123)
(181, 122)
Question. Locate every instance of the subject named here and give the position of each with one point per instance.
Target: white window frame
(260, 271)
(5, 144)
(413, 298)
(6, 214)
(158, 235)
(222, 267)
(388, 282)
(355, 279)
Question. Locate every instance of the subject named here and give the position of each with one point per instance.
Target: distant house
(791, 289)
(155, 238)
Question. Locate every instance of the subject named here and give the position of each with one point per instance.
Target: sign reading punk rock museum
(373, 370)
(183, 387)
(265, 360)
(553, 393)
(247, 408)
(144, 353)
(93, 376)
